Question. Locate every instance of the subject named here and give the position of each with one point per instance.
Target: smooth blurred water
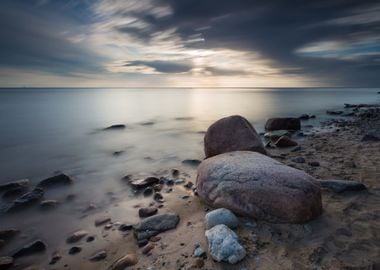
(48, 130)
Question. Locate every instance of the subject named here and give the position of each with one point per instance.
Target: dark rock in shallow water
(115, 127)
(254, 185)
(285, 141)
(15, 192)
(142, 183)
(29, 249)
(287, 123)
(276, 134)
(147, 211)
(154, 225)
(76, 236)
(27, 199)
(191, 162)
(118, 153)
(14, 185)
(231, 134)
(148, 191)
(61, 179)
(334, 112)
(304, 117)
(340, 186)
(74, 250)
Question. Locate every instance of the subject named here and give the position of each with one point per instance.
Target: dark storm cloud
(285, 31)
(35, 35)
(163, 66)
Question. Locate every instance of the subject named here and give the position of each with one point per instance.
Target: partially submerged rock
(276, 134)
(221, 216)
(8, 233)
(334, 112)
(287, 123)
(285, 141)
(224, 244)
(31, 248)
(154, 225)
(14, 184)
(340, 186)
(115, 127)
(5, 262)
(191, 162)
(231, 134)
(27, 199)
(254, 185)
(124, 262)
(61, 179)
(76, 236)
(142, 183)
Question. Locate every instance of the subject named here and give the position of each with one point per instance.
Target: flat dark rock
(14, 184)
(285, 141)
(154, 225)
(334, 112)
(7, 234)
(142, 183)
(29, 249)
(339, 186)
(191, 162)
(27, 199)
(61, 179)
(285, 123)
(115, 127)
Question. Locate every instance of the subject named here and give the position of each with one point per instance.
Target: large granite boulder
(232, 133)
(287, 123)
(254, 185)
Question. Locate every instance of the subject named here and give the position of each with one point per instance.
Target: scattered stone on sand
(14, 184)
(249, 182)
(158, 197)
(124, 262)
(221, 216)
(55, 258)
(224, 244)
(125, 227)
(231, 134)
(74, 250)
(142, 242)
(115, 127)
(61, 179)
(296, 149)
(339, 186)
(101, 255)
(314, 163)
(148, 191)
(48, 204)
(147, 211)
(90, 238)
(371, 137)
(299, 160)
(142, 183)
(31, 248)
(276, 134)
(102, 220)
(147, 248)
(287, 123)
(154, 225)
(5, 262)
(27, 199)
(179, 181)
(285, 141)
(175, 172)
(189, 185)
(191, 162)
(76, 236)
(8, 233)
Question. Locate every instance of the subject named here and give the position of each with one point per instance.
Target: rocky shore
(286, 199)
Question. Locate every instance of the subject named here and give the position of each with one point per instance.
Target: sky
(189, 43)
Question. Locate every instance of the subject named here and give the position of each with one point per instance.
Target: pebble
(147, 248)
(221, 216)
(31, 248)
(299, 160)
(75, 250)
(101, 255)
(199, 251)
(148, 191)
(314, 163)
(102, 220)
(147, 211)
(125, 227)
(123, 262)
(76, 236)
(48, 204)
(158, 197)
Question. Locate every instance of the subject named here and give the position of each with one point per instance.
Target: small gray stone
(224, 245)
(299, 160)
(199, 251)
(101, 255)
(152, 226)
(221, 216)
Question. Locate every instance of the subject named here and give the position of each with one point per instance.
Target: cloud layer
(190, 43)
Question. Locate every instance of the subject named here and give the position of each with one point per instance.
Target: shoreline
(344, 237)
